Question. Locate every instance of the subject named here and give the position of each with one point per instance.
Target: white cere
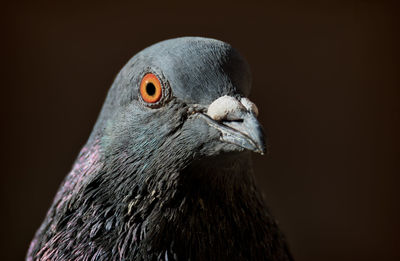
(225, 105)
(222, 106)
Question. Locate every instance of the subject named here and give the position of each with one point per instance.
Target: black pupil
(150, 89)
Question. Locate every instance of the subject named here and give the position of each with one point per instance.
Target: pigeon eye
(150, 88)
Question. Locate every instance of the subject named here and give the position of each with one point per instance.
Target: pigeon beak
(236, 120)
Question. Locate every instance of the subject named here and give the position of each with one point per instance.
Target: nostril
(233, 117)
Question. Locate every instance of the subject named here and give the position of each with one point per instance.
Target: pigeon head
(166, 174)
(180, 99)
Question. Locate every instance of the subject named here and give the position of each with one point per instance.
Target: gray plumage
(171, 180)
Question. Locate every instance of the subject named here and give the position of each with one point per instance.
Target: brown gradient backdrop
(325, 80)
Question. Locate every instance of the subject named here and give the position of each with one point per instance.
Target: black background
(325, 79)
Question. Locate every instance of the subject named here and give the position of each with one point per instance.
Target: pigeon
(166, 173)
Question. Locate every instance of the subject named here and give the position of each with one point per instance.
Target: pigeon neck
(212, 208)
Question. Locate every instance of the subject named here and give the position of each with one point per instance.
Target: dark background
(325, 80)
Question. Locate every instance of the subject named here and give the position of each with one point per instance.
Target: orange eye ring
(150, 88)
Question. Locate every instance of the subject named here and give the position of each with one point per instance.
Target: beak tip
(261, 148)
